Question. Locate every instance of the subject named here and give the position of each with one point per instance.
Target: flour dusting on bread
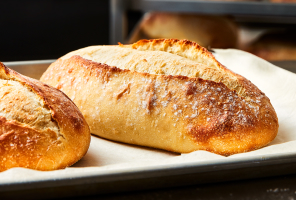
(22, 105)
(41, 128)
(167, 94)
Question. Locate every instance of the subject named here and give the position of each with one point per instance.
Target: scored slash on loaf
(168, 94)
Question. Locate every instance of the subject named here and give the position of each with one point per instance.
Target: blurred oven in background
(36, 30)
(265, 28)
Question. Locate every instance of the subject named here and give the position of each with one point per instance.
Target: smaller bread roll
(168, 94)
(41, 128)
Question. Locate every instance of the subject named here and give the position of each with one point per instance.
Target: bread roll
(275, 46)
(206, 30)
(41, 128)
(166, 94)
(283, 1)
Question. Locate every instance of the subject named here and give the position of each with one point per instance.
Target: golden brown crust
(195, 52)
(176, 113)
(43, 149)
(221, 112)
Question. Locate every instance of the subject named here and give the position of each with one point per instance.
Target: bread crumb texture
(168, 94)
(33, 133)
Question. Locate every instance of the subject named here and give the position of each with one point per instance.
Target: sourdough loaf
(41, 128)
(167, 94)
(206, 30)
(274, 46)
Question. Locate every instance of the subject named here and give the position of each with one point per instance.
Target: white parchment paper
(106, 156)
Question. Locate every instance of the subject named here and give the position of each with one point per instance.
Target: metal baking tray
(246, 11)
(33, 69)
(144, 178)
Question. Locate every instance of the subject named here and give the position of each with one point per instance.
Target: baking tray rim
(156, 171)
(147, 171)
(28, 62)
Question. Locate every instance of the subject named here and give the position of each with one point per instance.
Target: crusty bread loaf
(206, 30)
(41, 128)
(168, 94)
(274, 46)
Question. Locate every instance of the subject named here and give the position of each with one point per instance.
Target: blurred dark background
(48, 29)
(34, 30)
